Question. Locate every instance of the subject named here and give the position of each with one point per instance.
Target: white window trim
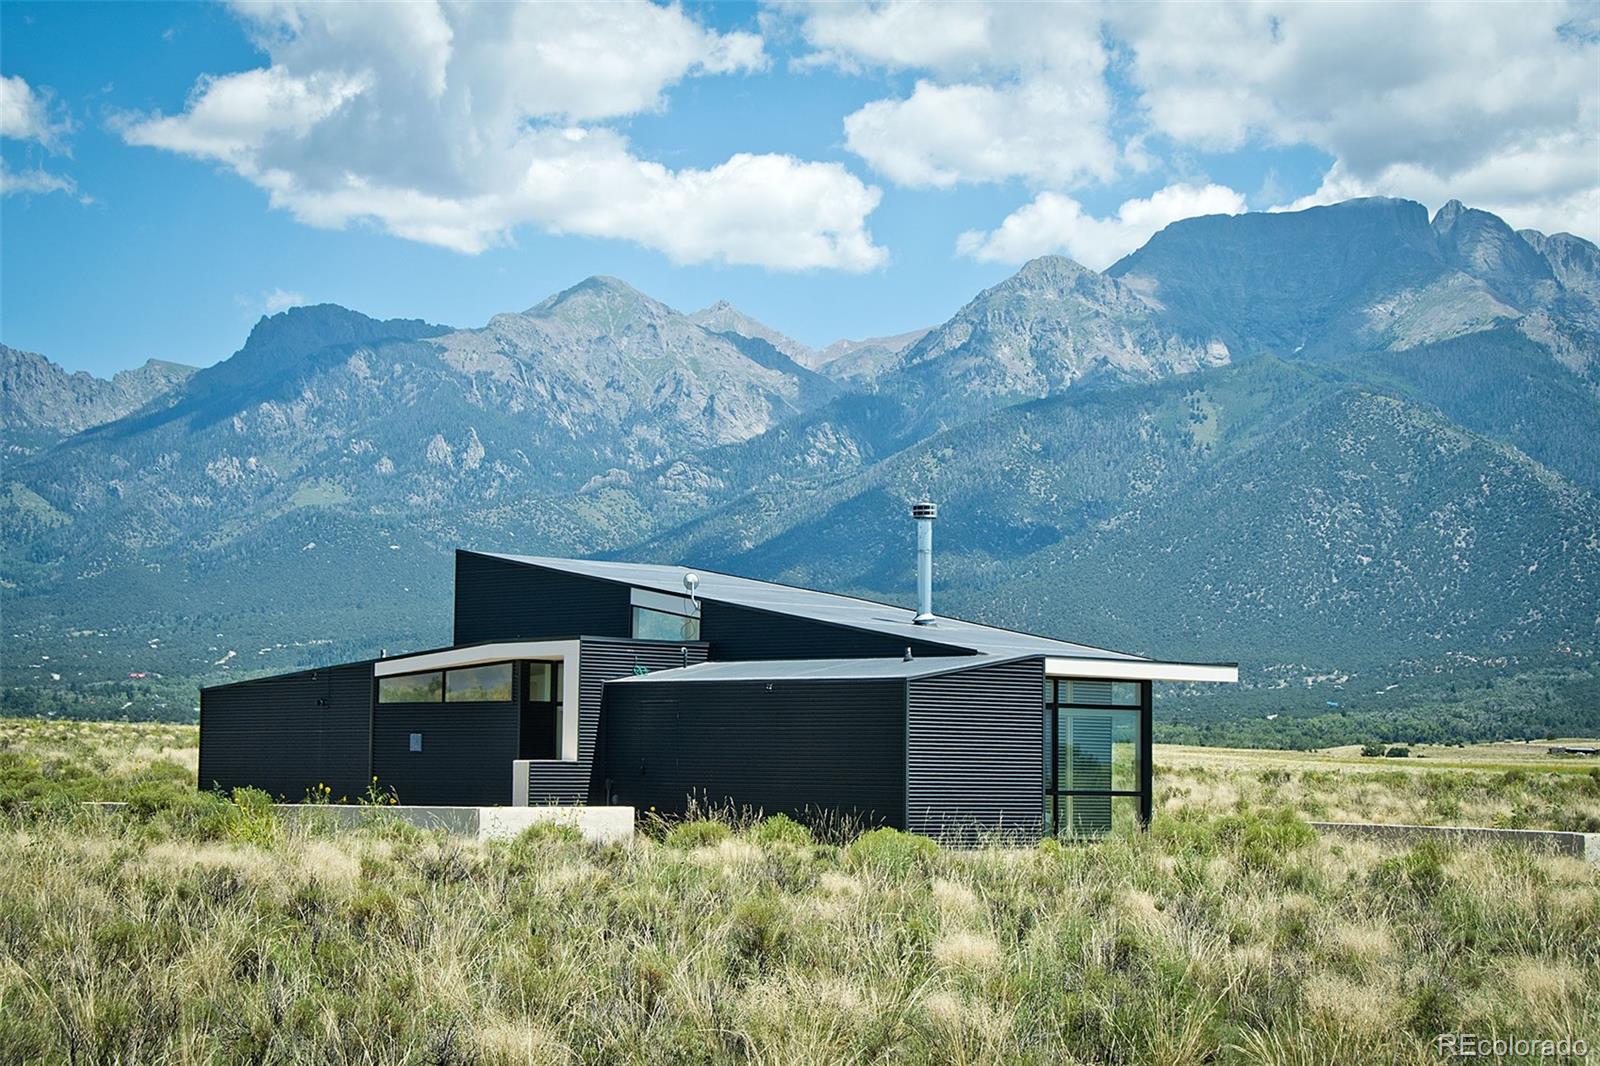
(1141, 670)
(669, 604)
(564, 652)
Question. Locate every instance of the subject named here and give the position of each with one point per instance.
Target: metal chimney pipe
(924, 513)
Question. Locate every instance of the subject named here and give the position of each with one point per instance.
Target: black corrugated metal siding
(797, 747)
(285, 734)
(975, 751)
(742, 633)
(499, 600)
(467, 750)
(599, 661)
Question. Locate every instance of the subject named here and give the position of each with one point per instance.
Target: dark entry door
(541, 711)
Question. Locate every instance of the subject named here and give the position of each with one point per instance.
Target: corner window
(650, 624)
(1094, 754)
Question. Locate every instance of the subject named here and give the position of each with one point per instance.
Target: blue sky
(174, 172)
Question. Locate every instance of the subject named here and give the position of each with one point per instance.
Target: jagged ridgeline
(1354, 447)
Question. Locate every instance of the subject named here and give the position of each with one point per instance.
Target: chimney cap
(924, 510)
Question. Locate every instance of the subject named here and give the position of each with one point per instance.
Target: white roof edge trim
(479, 653)
(1141, 670)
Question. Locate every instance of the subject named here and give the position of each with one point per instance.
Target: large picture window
(412, 688)
(490, 683)
(1095, 750)
(478, 684)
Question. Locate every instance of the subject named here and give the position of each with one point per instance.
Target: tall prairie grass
(193, 929)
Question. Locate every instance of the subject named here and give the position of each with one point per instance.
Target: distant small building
(575, 681)
(1574, 751)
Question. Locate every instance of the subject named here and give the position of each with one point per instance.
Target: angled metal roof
(847, 611)
(815, 669)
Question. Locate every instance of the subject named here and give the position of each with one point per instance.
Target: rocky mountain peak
(1447, 216)
(723, 317)
(1575, 261)
(1050, 269)
(1482, 245)
(601, 304)
(299, 331)
(39, 399)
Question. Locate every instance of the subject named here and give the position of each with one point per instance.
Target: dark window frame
(444, 673)
(379, 700)
(1052, 705)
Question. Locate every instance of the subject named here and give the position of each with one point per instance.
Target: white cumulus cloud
(942, 135)
(1054, 222)
(455, 124)
(30, 116)
(1494, 104)
(1009, 90)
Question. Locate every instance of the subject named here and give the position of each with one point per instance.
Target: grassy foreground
(195, 930)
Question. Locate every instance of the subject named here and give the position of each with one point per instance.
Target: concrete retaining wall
(1584, 846)
(603, 825)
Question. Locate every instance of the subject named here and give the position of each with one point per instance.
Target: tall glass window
(541, 712)
(1094, 755)
(541, 682)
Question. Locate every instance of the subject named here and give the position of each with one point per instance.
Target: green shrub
(1398, 752)
(1262, 840)
(758, 930)
(1431, 1005)
(696, 834)
(253, 819)
(533, 845)
(781, 829)
(543, 833)
(1419, 874)
(146, 799)
(891, 850)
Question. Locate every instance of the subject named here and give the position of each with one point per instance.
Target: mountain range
(40, 403)
(1354, 447)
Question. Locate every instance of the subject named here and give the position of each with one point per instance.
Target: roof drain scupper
(924, 513)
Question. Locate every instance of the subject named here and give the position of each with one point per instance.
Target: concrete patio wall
(1584, 846)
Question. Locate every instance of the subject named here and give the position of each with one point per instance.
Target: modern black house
(609, 683)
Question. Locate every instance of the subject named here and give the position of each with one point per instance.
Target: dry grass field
(192, 929)
(1509, 785)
